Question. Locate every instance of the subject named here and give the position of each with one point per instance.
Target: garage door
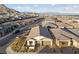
(44, 43)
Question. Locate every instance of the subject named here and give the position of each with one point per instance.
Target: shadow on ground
(65, 50)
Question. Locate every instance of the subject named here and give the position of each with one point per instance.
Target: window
(30, 42)
(63, 43)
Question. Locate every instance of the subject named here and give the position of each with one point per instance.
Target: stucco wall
(57, 42)
(48, 40)
(31, 47)
(76, 43)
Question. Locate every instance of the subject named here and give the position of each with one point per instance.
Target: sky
(61, 8)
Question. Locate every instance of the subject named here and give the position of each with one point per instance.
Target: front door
(31, 43)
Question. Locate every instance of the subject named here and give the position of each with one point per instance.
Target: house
(49, 22)
(76, 37)
(66, 38)
(74, 24)
(61, 40)
(39, 36)
(62, 25)
(76, 19)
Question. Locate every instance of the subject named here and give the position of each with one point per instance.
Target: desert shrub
(17, 44)
(23, 49)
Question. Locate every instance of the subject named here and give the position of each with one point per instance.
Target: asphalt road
(6, 42)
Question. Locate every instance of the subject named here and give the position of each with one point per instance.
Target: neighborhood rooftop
(61, 34)
(39, 31)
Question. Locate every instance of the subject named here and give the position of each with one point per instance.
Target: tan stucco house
(39, 36)
(65, 38)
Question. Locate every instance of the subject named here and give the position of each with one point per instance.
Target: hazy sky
(61, 8)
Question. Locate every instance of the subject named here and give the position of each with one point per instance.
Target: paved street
(6, 42)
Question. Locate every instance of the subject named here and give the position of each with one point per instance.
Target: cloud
(71, 9)
(23, 8)
(36, 5)
(29, 8)
(47, 8)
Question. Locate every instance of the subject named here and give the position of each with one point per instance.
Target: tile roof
(39, 31)
(61, 34)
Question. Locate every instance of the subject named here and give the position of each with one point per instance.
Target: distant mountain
(7, 11)
(57, 13)
(8, 14)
